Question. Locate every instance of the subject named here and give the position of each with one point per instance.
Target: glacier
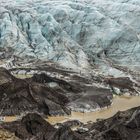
(77, 34)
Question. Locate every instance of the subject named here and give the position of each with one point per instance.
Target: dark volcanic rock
(44, 78)
(70, 123)
(94, 98)
(121, 83)
(81, 98)
(122, 126)
(65, 133)
(19, 96)
(33, 126)
(36, 95)
(5, 76)
(6, 135)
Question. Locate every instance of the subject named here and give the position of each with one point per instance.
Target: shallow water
(120, 103)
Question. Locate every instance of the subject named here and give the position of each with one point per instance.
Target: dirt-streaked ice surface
(74, 33)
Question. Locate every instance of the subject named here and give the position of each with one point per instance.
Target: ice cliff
(73, 33)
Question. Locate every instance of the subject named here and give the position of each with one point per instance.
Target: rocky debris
(70, 123)
(33, 126)
(122, 126)
(6, 135)
(5, 76)
(21, 96)
(36, 95)
(44, 78)
(92, 99)
(82, 130)
(82, 98)
(64, 133)
(123, 85)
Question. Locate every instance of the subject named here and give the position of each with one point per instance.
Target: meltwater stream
(120, 103)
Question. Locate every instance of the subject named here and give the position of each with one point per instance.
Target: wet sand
(10, 119)
(23, 76)
(120, 103)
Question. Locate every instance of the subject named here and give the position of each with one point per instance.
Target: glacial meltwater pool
(120, 103)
